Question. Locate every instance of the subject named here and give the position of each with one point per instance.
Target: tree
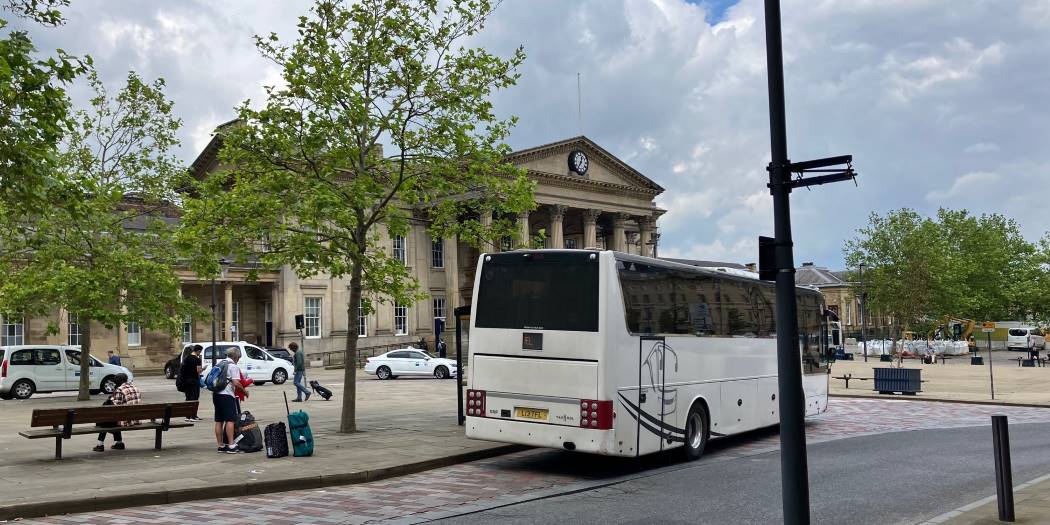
(34, 107)
(309, 184)
(99, 245)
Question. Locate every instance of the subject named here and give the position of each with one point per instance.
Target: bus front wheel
(697, 432)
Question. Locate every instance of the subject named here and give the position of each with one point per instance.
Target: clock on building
(578, 162)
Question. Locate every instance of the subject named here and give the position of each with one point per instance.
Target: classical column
(486, 224)
(590, 228)
(451, 254)
(557, 233)
(645, 230)
(619, 243)
(525, 234)
(228, 317)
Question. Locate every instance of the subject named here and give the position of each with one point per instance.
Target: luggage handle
(286, 407)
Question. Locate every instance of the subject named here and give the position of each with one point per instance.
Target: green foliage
(99, 245)
(34, 108)
(307, 181)
(921, 269)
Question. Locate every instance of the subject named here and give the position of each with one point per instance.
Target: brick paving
(535, 473)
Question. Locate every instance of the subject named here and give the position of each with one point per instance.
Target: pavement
(406, 425)
(870, 458)
(956, 380)
(1031, 506)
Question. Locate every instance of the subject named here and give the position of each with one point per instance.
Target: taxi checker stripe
(632, 408)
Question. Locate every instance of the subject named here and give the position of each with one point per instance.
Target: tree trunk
(348, 421)
(85, 359)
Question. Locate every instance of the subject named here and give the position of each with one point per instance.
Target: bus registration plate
(538, 414)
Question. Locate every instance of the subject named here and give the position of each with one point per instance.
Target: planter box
(907, 381)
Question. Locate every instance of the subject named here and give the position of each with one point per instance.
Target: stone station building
(586, 198)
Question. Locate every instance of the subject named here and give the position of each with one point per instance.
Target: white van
(27, 369)
(1024, 338)
(255, 362)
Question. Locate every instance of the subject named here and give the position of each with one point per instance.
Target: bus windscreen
(539, 291)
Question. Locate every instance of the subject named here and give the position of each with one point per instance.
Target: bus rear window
(543, 291)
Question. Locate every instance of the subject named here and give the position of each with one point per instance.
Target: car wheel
(279, 376)
(383, 373)
(169, 372)
(23, 389)
(441, 372)
(697, 432)
(108, 385)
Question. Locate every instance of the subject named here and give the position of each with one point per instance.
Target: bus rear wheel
(697, 432)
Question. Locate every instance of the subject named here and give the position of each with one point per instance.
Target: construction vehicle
(955, 328)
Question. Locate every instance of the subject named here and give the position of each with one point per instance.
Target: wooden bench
(63, 421)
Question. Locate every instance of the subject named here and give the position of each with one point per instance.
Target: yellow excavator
(968, 326)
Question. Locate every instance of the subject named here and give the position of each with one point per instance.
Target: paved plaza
(533, 474)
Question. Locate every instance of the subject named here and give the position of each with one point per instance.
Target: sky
(941, 103)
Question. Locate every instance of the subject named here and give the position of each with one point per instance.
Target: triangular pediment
(602, 166)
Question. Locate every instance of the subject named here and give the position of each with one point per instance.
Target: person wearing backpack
(224, 381)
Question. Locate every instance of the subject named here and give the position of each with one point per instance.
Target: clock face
(578, 162)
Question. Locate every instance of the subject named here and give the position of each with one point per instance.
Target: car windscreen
(1018, 332)
(539, 291)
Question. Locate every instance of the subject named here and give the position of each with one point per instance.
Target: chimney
(807, 264)
(751, 267)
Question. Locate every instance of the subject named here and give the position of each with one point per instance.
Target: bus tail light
(596, 414)
(476, 403)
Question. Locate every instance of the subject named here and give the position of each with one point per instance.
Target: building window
(362, 320)
(234, 324)
(13, 331)
(400, 319)
(400, 253)
(74, 330)
(187, 329)
(849, 314)
(312, 316)
(439, 308)
(506, 244)
(134, 334)
(570, 244)
(437, 253)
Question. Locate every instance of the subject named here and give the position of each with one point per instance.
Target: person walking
(114, 359)
(189, 377)
(225, 401)
(299, 362)
(125, 394)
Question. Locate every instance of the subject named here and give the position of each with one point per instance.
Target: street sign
(987, 327)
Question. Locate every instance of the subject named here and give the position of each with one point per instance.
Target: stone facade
(609, 206)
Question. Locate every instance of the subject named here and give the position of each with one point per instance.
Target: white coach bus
(617, 354)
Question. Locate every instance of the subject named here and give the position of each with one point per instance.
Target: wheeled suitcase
(249, 437)
(299, 428)
(276, 437)
(321, 391)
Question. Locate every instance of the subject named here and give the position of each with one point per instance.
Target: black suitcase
(321, 391)
(249, 437)
(276, 437)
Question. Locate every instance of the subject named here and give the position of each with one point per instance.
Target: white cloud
(976, 182)
(982, 147)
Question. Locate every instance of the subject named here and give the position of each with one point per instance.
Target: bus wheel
(697, 432)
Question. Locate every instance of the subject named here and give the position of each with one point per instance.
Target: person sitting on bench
(125, 394)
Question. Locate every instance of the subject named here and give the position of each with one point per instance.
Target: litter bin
(886, 358)
(907, 381)
(976, 360)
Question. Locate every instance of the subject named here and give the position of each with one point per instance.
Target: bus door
(657, 405)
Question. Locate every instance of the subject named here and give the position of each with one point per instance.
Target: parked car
(1024, 338)
(255, 362)
(278, 352)
(27, 369)
(410, 362)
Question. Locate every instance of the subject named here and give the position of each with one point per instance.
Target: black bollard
(1004, 479)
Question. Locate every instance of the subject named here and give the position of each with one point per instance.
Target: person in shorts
(226, 407)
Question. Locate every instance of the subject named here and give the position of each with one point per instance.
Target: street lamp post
(863, 313)
(223, 264)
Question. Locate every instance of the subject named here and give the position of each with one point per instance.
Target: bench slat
(111, 414)
(84, 430)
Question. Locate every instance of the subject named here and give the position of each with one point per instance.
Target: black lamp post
(223, 264)
(863, 313)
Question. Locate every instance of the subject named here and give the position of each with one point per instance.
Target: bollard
(1004, 482)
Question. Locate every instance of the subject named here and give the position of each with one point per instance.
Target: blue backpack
(217, 380)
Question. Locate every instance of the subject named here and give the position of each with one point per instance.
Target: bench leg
(58, 448)
(156, 443)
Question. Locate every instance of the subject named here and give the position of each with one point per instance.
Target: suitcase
(276, 437)
(299, 428)
(321, 391)
(249, 437)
